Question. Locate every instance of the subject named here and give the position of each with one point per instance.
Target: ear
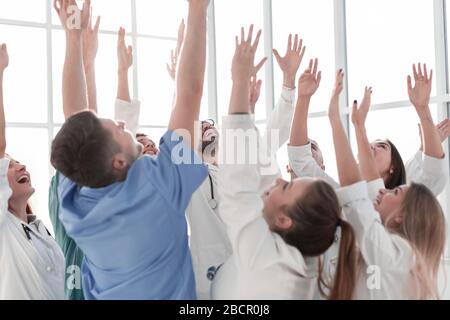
(398, 219)
(120, 162)
(322, 167)
(283, 222)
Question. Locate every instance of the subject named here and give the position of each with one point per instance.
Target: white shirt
(30, 268)
(209, 243)
(262, 265)
(387, 258)
(431, 172)
(129, 113)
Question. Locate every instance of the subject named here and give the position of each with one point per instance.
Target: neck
(19, 209)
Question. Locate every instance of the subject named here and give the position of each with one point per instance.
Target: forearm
(91, 87)
(299, 130)
(239, 98)
(191, 72)
(289, 80)
(367, 163)
(346, 164)
(74, 81)
(432, 144)
(123, 89)
(2, 120)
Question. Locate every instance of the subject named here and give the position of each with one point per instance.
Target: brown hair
(316, 216)
(83, 151)
(423, 225)
(398, 176)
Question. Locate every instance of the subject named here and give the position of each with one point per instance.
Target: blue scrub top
(134, 233)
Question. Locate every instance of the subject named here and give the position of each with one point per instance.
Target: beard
(209, 147)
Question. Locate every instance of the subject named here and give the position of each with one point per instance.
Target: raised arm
(307, 85)
(74, 81)
(4, 61)
(191, 73)
(125, 61)
(367, 164)
(90, 48)
(174, 54)
(419, 95)
(346, 164)
(291, 61)
(281, 117)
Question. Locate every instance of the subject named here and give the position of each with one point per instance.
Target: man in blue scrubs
(126, 211)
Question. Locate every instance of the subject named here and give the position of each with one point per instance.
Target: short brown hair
(83, 151)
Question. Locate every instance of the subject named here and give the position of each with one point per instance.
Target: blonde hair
(423, 225)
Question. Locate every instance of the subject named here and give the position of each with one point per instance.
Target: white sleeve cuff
(299, 152)
(355, 192)
(238, 121)
(434, 166)
(288, 95)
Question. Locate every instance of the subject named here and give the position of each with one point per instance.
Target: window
(383, 40)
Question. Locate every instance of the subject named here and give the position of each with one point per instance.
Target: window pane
(302, 16)
(30, 147)
(26, 77)
(382, 124)
(160, 18)
(154, 134)
(384, 42)
(243, 14)
(114, 14)
(156, 88)
(26, 10)
(106, 74)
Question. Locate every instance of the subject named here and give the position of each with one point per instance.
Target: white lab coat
(209, 243)
(262, 265)
(30, 269)
(128, 112)
(387, 258)
(429, 171)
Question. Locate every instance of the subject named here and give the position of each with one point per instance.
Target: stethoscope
(213, 202)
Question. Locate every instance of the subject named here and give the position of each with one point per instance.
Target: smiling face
(150, 147)
(19, 181)
(283, 194)
(389, 203)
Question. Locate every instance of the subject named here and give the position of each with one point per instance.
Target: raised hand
(443, 129)
(310, 80)
(255, 92)
(73, 19)
(333, 110)
(174, 54)
(359, 114)
(242, 70)
(90, 42)
(4, 57)
(243, 67)
(291, 61)
(124, 52)
(419, 95)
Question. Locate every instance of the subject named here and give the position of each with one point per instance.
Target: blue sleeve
(177, 172)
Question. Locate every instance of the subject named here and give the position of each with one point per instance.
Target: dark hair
(141, 135)
(316, 216)
(398, 176)
(83, 151)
